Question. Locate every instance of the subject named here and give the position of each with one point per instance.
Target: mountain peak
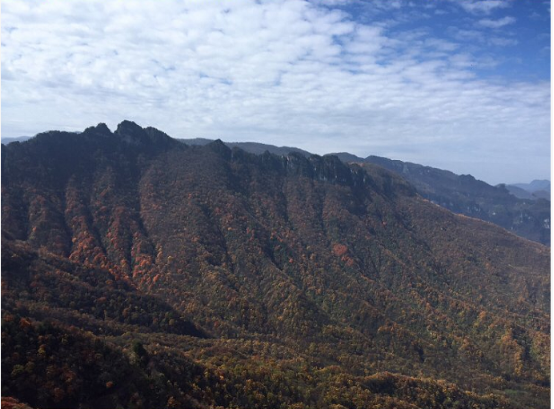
(134, 134)
(131, 132)
(220, 148)
(128, 124)
(100, 129)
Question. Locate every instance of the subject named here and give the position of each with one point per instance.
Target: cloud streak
(281, 72)
(483, 6)
(496, 23)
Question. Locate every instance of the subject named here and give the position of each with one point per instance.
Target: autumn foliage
(141, 272)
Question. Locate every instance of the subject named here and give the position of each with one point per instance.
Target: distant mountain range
(534, 186)
(6, 141)
(537, 189)
(523, 214)
(139, 271)
(529, 218)
(252, 147)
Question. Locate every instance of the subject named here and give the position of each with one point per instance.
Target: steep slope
(519, 192)
(311, 278)
(501, 205)
(459, 193)
(526, 217)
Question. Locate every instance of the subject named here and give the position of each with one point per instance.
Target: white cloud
(481, 37)
(281, 72)
(502, 41)
(496, 23)
(482, 6)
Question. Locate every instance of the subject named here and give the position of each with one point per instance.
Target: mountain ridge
(290, 265)
(503, 204)
(525, 216)
(537, 189)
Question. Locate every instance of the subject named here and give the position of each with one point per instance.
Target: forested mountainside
(529, 218)
(525, 214)
(141, 272)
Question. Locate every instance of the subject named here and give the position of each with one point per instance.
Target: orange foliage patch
(339, 250)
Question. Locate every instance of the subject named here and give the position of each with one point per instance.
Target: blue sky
(456, 84)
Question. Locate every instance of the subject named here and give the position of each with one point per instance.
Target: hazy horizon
(460, 86)
(14, 139)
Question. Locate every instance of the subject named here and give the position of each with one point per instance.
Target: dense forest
(527, 217)
(140, 272)
(523, 213)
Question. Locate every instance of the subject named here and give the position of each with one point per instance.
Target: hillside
(220, 278)
(525, 215)
(523, 209)
(523, 212)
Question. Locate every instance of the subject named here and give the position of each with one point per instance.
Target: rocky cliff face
(465, 195)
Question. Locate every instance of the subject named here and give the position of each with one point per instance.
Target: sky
(460, 85)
